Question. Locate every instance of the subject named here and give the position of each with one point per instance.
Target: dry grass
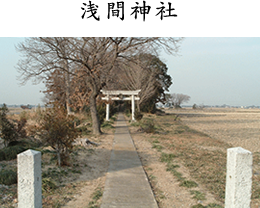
(195, 142)
(204, 157)
(237, 127)
(62, 184)
(194, 153)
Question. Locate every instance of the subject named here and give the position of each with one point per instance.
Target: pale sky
(212, 71)
(217, 71)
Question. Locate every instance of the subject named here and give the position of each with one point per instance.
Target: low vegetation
(181, 146)
(96, 196)
(57, 130)
(194, 158)
(59, 181)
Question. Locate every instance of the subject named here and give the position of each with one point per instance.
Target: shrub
(8, 132)
(48, 185)
(101, 109)
(8, 177)
(21, 132)
(2, 155)
(128, 113)
(194, 106)
(59, 132)
(138, 115)
(148, 126)
(10, 153)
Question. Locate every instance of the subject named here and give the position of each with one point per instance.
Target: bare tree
(40, 61)
(95, 56)
(147, 73)
(177, 99)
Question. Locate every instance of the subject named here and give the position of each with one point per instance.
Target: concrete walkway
(126, 182)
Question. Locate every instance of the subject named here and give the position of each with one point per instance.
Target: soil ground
(198, 143)
(76, 183)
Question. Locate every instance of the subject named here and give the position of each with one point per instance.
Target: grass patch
(147, 124)
(158, 147)
(107, 125)
(152, 177)
(156, 141)
(198, 206)
(211, 205)
(202, 156)
(172, 168)
(10, 153)
(8, 177)
(207, 166)
(59, 174)
(167, 158)
(189, 184)
(198, 195)
(95, 197)
(48, 185)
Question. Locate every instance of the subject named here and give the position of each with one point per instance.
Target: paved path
(126, 182)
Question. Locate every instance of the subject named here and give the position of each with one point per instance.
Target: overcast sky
(216, 71)
(212, 71)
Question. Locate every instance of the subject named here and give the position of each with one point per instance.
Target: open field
(18, 110)
(183, 154)
(237, 127)
(192, 145)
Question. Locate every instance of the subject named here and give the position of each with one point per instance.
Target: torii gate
(121, 93)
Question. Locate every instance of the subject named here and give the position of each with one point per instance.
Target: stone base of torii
(120, 95)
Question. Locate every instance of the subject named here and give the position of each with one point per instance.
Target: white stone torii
(131, 94)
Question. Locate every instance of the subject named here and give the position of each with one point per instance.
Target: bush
(149, 106)
(21, 132)
(101, 109)
(127, 112)
(138, 115)
(10, 153)
(48, 185)
(2, 155)
(11, 131)
(148, 126)
(8, 132)
(58, 131)
(8, 177)
(194, 106)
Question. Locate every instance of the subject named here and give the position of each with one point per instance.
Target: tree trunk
(138, 105)
(94, 114)
(68, 94)
(58, 158)
(67, 83)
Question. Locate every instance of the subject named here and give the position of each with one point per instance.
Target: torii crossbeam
(120, 95)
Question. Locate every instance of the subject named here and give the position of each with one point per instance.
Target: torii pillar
(133, 108)
(131, 97)
(107, 111)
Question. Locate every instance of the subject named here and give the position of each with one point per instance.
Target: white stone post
(133, 107)
(238, 178)
(29, 179)
(107, 111)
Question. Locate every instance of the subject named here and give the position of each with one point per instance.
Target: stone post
(133, 107)
(29, 179)
(238, 178)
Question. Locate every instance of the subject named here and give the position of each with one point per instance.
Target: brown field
(184, 158)
(237, 127)
(192, 145)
